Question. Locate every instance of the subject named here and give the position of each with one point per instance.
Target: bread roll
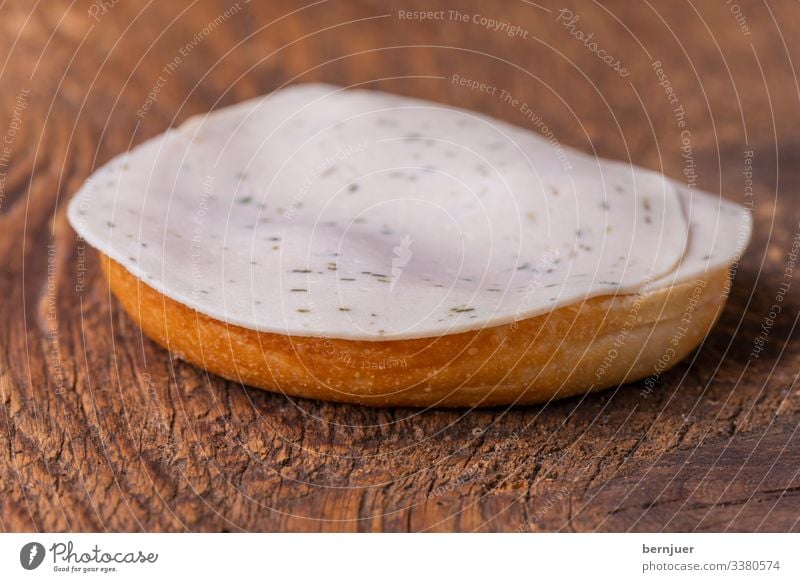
(363, 247)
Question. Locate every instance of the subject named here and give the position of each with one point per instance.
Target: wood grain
(101, 430)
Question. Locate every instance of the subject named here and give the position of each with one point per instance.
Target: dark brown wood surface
(102, 430)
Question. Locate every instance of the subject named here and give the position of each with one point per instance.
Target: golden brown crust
(601, 342)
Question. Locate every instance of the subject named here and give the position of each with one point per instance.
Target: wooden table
(102, 430)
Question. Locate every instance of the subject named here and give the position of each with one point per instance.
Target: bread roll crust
(591, 345)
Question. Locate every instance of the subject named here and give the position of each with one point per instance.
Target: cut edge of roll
(584, 347)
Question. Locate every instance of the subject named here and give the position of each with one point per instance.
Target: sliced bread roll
(364, 247)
